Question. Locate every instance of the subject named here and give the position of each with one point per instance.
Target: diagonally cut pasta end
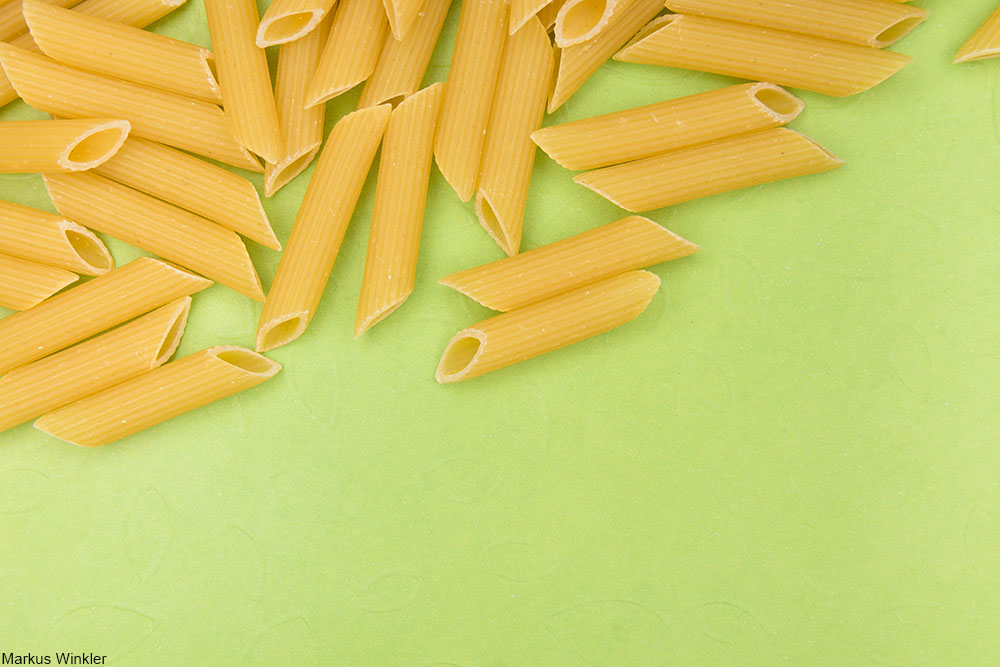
(365, 321)
(899, 29)
(283, 28)
(626, 53)
(832, 161)
(245, 360)
(92, 253)
(281, 330)
(211, 75)
(776, 102)
(95, 146)
(460, 355)
(580, 20)
(172, 336)
(974, 51)
(277, 176)
(507, 238)
(589, 180)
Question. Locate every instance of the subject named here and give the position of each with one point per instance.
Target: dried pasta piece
(546, 326)
(24, 284)
(522, 10)
(579, 21)
(984, 43)
(624, 245)
(12, 23)
(51, 239)
(161, 394)
(351, 53)
(288, 20)
(402, 14)
(547, 14)
(46, 146)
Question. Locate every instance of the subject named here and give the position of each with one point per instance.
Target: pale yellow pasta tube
(288, 20)
(398, 211)
(984, 43)
(578, 62)
(522, 10)
(624, 245)
(402, 63)
(351, 53)
(465, 111)
(247, 95)
(96, 364)
(762, 54)
(708, 169)
(547, 14)
(579, 21)
(509, 154)
(12, 23)
(546, 326)
(90, 308)
(182, 122)
(24, 284)
(644, 131)
(161, 394)
(402, 14)
(196, 185)
(51, 239)
(320, 226)
(46, 146)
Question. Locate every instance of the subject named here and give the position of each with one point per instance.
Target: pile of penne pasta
(133, 114)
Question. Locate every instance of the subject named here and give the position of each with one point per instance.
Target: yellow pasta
(101, 362)
(762, 54)
(546, 326)
(181, 122)
(12, 23)
(402, 63)
(161, 394)
(196, 185)
(579, 21)
(644, 131)
(288, 20)
(402, 14)
(320, 225)
(398, 212)
(24, 284)
(547, 14)
(509, 154)
(90, 308)
(465, 111)
(157, 227)
(51, 239)
(984, 43)
(349, 57)
(522, 10)
(247, 95)
(624, 245)
(578, 62)
(46, 146)
(708, 169)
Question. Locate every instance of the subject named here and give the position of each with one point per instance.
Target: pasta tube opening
(287, 28)
(460, 355)
(579, 20)
(778, 102)
(280, 332)
(245, 360)
(96, 146)
(282, 173)
(897, 31)
(172, 338)
(494, 226)
(88, 248)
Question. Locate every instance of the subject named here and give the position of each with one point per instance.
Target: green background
(791, 457)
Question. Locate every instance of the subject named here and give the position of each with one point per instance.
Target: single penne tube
(579, 21)
(546, 326)
(402, 14)
(984, 43)
(101, 362)
(866, 22)
(576, 63)
(46, 238)
(351, 52)
(402, 63)
(707, 169)
(320, 226)
(247, 95)
(288, 20)
(762, 54)
(636, 133)
(509, 154)
(547, 14)
(92, 307)
(193, 184)
(529, 277)
(46, 146)
(522, 10)
(24, 284)
(12, 23)
(398, 211)
(161, 394)
(114, 49)
(67, 92)
(472, 79)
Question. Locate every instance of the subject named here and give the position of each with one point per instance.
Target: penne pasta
(320, 226)
(547, 14)
(402, 14)
(104, 361)
(708, 169)
(579, 21)
(398, 211)
(12, 23)
(90, 308)
(196, 185)
(509, 153)
(157, 227)
(50, 239)
(522, 10)
(465, 111)
(114, 49)
(645, 131)
(46, 146)
(762, 54)
(24, 284)
(402, 63)
(624, 245)
(247, 95)
(288, 20)
(546, 326)
(576, 63)
(351, 52)
(161, 394)
(181, 122)
(984, 43)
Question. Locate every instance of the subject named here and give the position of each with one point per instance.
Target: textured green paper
(791, 458)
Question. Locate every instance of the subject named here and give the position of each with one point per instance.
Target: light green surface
(791, 457)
